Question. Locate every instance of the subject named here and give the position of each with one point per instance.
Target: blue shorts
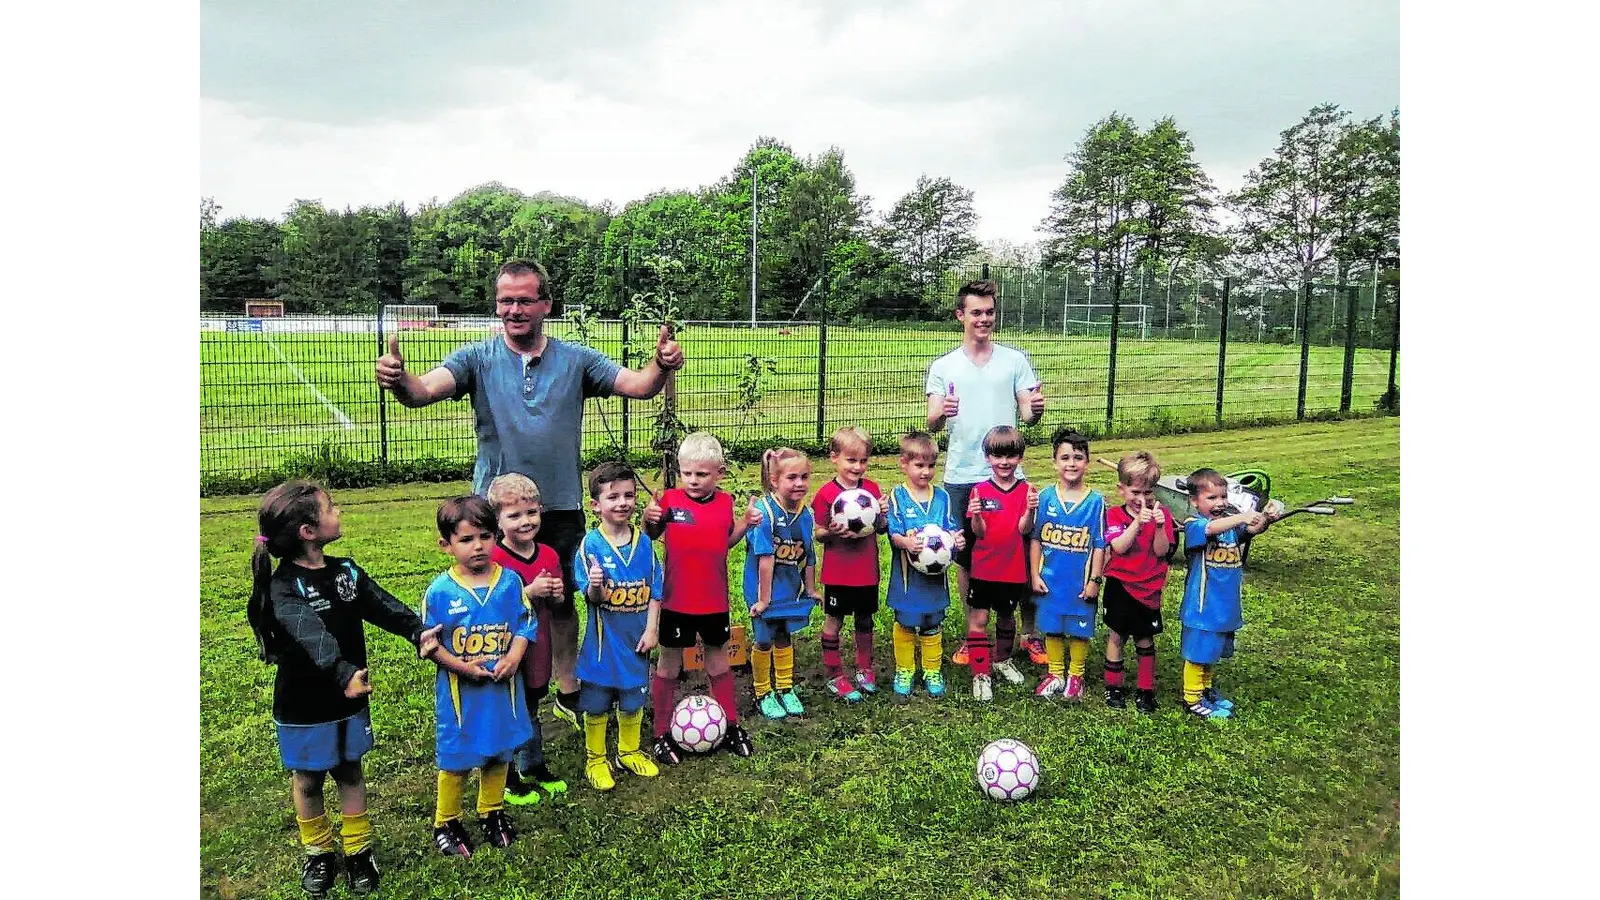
(1206, 647)
(922, 623)
(597, 699)
(320, 747)
(763, 630)
(1071, 626)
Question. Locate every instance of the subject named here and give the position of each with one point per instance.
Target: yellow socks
(628, 754)
(316, 834)
(594, 734)
(905, 648)
(761, 670)
(492, 788)
(783, 660)
(932, 651)
(1078, 650)
(1055, 647)
(1193, 681)
(448, 807)
(356, 833)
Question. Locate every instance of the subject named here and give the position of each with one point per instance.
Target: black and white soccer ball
(938, 548)
(856, 511)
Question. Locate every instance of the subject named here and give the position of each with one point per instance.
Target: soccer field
(266, 396)
(1298, 796)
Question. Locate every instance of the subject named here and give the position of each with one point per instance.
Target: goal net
(409, 315)
(1095, 318)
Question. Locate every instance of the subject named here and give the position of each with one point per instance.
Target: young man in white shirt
(973, 388)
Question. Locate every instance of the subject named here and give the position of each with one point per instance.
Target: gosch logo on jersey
(480, 641)
(1224, 556)
(790, 553)
(1064, 537)
(627, 597)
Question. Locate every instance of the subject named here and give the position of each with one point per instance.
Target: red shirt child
(1140, 570)
(694, 539)
(846, 563)
(536, 662)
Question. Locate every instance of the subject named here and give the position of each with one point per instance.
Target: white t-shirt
(988, 398)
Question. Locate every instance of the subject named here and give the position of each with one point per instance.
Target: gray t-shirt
(988, 396)
(529, 418)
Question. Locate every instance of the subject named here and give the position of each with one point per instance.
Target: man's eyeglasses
(526, 302)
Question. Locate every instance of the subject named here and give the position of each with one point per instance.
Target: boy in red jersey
(696, 527)
(1002, 511)
(518, 511)
(849, 565)
(1140, 539)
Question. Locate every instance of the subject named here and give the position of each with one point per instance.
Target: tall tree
(233, 255)
(823, 214)
(1094, 218)
(930, 230)
(1290, 206)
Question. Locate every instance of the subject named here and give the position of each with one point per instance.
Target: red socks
(831, 659)
(722, 692)
(1147, 668)
(662, 691)
(864, 651)
(1113, 672)
(978, 651)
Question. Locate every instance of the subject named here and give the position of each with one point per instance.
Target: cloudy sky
(358, 101)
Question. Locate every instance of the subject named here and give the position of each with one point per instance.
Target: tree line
(1324, 202)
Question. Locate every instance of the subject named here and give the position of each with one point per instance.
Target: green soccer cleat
(934, 683)
(791, 703)
(903, 679)
(771, 706)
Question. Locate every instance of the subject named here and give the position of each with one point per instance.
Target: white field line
(338, 414)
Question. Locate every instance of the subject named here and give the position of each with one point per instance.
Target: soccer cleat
(1009, 671)
(1205, 710)
(770, 706)
(1211, 696)
(791, 703)
(1050, 686)
(320, 874)
(519, 792)
(982, 688)
(1116, 696)
(1036, 651)
(566, 715)
(903, 679)
(451, 839)
(934, 683)
(598, 771)
(362, 872)
(961, 657)
(498, 830)
(666, 751)
(1145, 701)
(737, 742)
(547, 779)
(638, 763)
(867, 681)
(842, 688)
(1074, 691)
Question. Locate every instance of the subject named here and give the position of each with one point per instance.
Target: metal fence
(276, 389)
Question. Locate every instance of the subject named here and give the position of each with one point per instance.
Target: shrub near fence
(297, 394)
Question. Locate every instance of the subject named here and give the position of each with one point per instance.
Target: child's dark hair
(607, 472)
(1201, 478)
(1003, 440)
(466, 508)
(1069, 436)
(283, 510)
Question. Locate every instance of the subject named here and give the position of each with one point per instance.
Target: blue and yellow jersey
(482, 720)
(786, 537)
(1068, 535)
(617, 621)
(1211, 590)
(911, 591)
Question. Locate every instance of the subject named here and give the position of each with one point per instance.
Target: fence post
(1111, 363)
(1349, 348)
(1304, 321)
(1222, 346)
(1394, 350)
(627, 360)
(383, 399)
(822, 357)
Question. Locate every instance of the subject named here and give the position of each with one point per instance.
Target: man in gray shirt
(528, 392)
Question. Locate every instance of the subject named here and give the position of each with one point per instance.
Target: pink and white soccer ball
(1007, 770)
(856, 511)
(698, 723)
(938, 548)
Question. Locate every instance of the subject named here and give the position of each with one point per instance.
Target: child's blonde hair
(852, 438)
(701, 446)
(775, 457)
(1138, 467)
(511, 487)
(918, 445)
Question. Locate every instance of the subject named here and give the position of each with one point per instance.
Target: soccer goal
(1095, 318)
(409, 316)
(263, 309)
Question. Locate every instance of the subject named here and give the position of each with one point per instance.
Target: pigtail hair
(259, 608)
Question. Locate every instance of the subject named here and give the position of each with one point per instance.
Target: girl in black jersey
(307, 617)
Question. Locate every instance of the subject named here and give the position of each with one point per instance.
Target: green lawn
(259, 393)
(1296, 797)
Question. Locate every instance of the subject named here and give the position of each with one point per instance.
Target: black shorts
(679, 630)
(1000, 596)
(840, 600)
(562, 530)
(960, 496)
(1126, 615)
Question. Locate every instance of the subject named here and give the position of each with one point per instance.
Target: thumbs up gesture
(952, 405)
(1033, 498)
(752, 512)
(1036, 403)
(669, 355)
(391, 366)
(597, 574)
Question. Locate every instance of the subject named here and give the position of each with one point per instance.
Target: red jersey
(536, 660)
(1142, 572)
(1002, 553)
(846, 562)
(695, 540)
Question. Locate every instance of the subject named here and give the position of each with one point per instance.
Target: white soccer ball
(938, 548)
(698, 723)
(856, 511)
(1007, 770)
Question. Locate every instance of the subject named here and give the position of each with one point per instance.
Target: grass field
(1296, 797)
(264, 397)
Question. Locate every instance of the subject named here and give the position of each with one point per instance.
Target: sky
(361, 102)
